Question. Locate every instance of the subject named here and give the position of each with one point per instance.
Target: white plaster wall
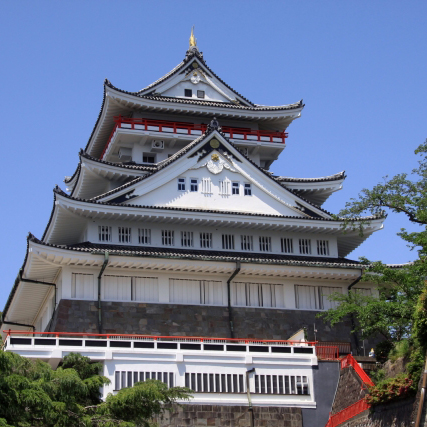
(210, 93)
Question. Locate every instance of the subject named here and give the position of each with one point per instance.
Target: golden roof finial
(192, 38)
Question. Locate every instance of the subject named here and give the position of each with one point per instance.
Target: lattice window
(224, 187)
(168, 238)
(315, 297)
(205, 292)
(125, 235)
(82, 286)
(187, 239)
(281, 384)
(305, 246)
(206, 186)
(257, 295)
(265, 244)
(247, 243)
(144, 236)
(181, 184)
(145, 289)
(215, 383)
(235, 188)
(248, 189)
(287, 245)
(206, 240)
(124, 379)
(104, 233)
(228, 241)
(322, 247)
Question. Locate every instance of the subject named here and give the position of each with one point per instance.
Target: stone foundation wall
(231, 416)
(194, 320)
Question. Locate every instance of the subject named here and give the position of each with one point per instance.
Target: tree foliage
(33, 394)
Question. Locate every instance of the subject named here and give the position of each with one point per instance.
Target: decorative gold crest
(215, 157)
(214, 143)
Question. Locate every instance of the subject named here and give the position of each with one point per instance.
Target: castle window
(145, 289)
(247, 243)
(281, 384)
(287, 245)
(257, 295)
(148, 158)
(82, 286)
(104, 233)
(188, 93)
(215, 383)
(234, 188)
(206, 186)
(315, 297)
(205, 292)
(227, 241)
(167, 237)
(322, 247)
(248, 189)
(125, 234)
(194, 184)
(265, 244)
(206, 240)
(144, 236)
(305, 246)
(124, 379)
(187, 239)
(200, 94)
(181, 184)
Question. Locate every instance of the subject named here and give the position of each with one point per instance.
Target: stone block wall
(231, 416)
(194, 320)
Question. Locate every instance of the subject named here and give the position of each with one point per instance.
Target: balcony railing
(183, 128)
(348, 413)
(60, 339)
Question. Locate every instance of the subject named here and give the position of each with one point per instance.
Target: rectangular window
(194, 184)
(104, 233)
(148, 158)
(188, 92)
(116, 288)
(324, 294)
(205, 292)
(206, 186)
(125, 379)
(248, 189)
(247, 243)
(234, 188)
(224, 187)
(228, 241)
(145, 289)
(273, 384)
(287, 245)
(200, 94)
(187, 239)
(265, 244)
(206, 240)
(257, 295)
(82, 286)
(181, 184)
(167, 237)
(315, 297)
(144, 236)
(125, 234)
(305, 246)
(363, 291)
(322, 247)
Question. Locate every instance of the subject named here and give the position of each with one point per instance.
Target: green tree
(392, 314)
(33, 394)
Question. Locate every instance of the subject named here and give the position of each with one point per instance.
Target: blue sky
(359, 66)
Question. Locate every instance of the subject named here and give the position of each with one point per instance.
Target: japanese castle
(174, 253)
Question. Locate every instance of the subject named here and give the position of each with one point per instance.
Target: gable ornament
(216, 164)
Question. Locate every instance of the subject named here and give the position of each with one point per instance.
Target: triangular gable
(194, 74)
(217, 168)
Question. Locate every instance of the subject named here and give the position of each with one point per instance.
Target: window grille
(194, 186)
(228, 241)
(322, 247)
(287, 245)
(215, 383)
(104, 233)
(235, 188)
(257, 295)
(144, 236)
(200, 94)
(125, 234)
(206, 240)
(247, 243)
(181, 184)
(148, 158)
(206, 186)
(167, 237)
(281, 384)
(205, 292)
(224, 187)
(187, 239)
(265, 244)
(124, 379)
(188, 92)
(305, 246)
(116, 288)
(248, 189)
(82, 286)
(315, 297)
(145, 289)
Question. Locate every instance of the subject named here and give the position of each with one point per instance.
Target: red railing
(349, 360)
(188, 128)
(347, 413)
